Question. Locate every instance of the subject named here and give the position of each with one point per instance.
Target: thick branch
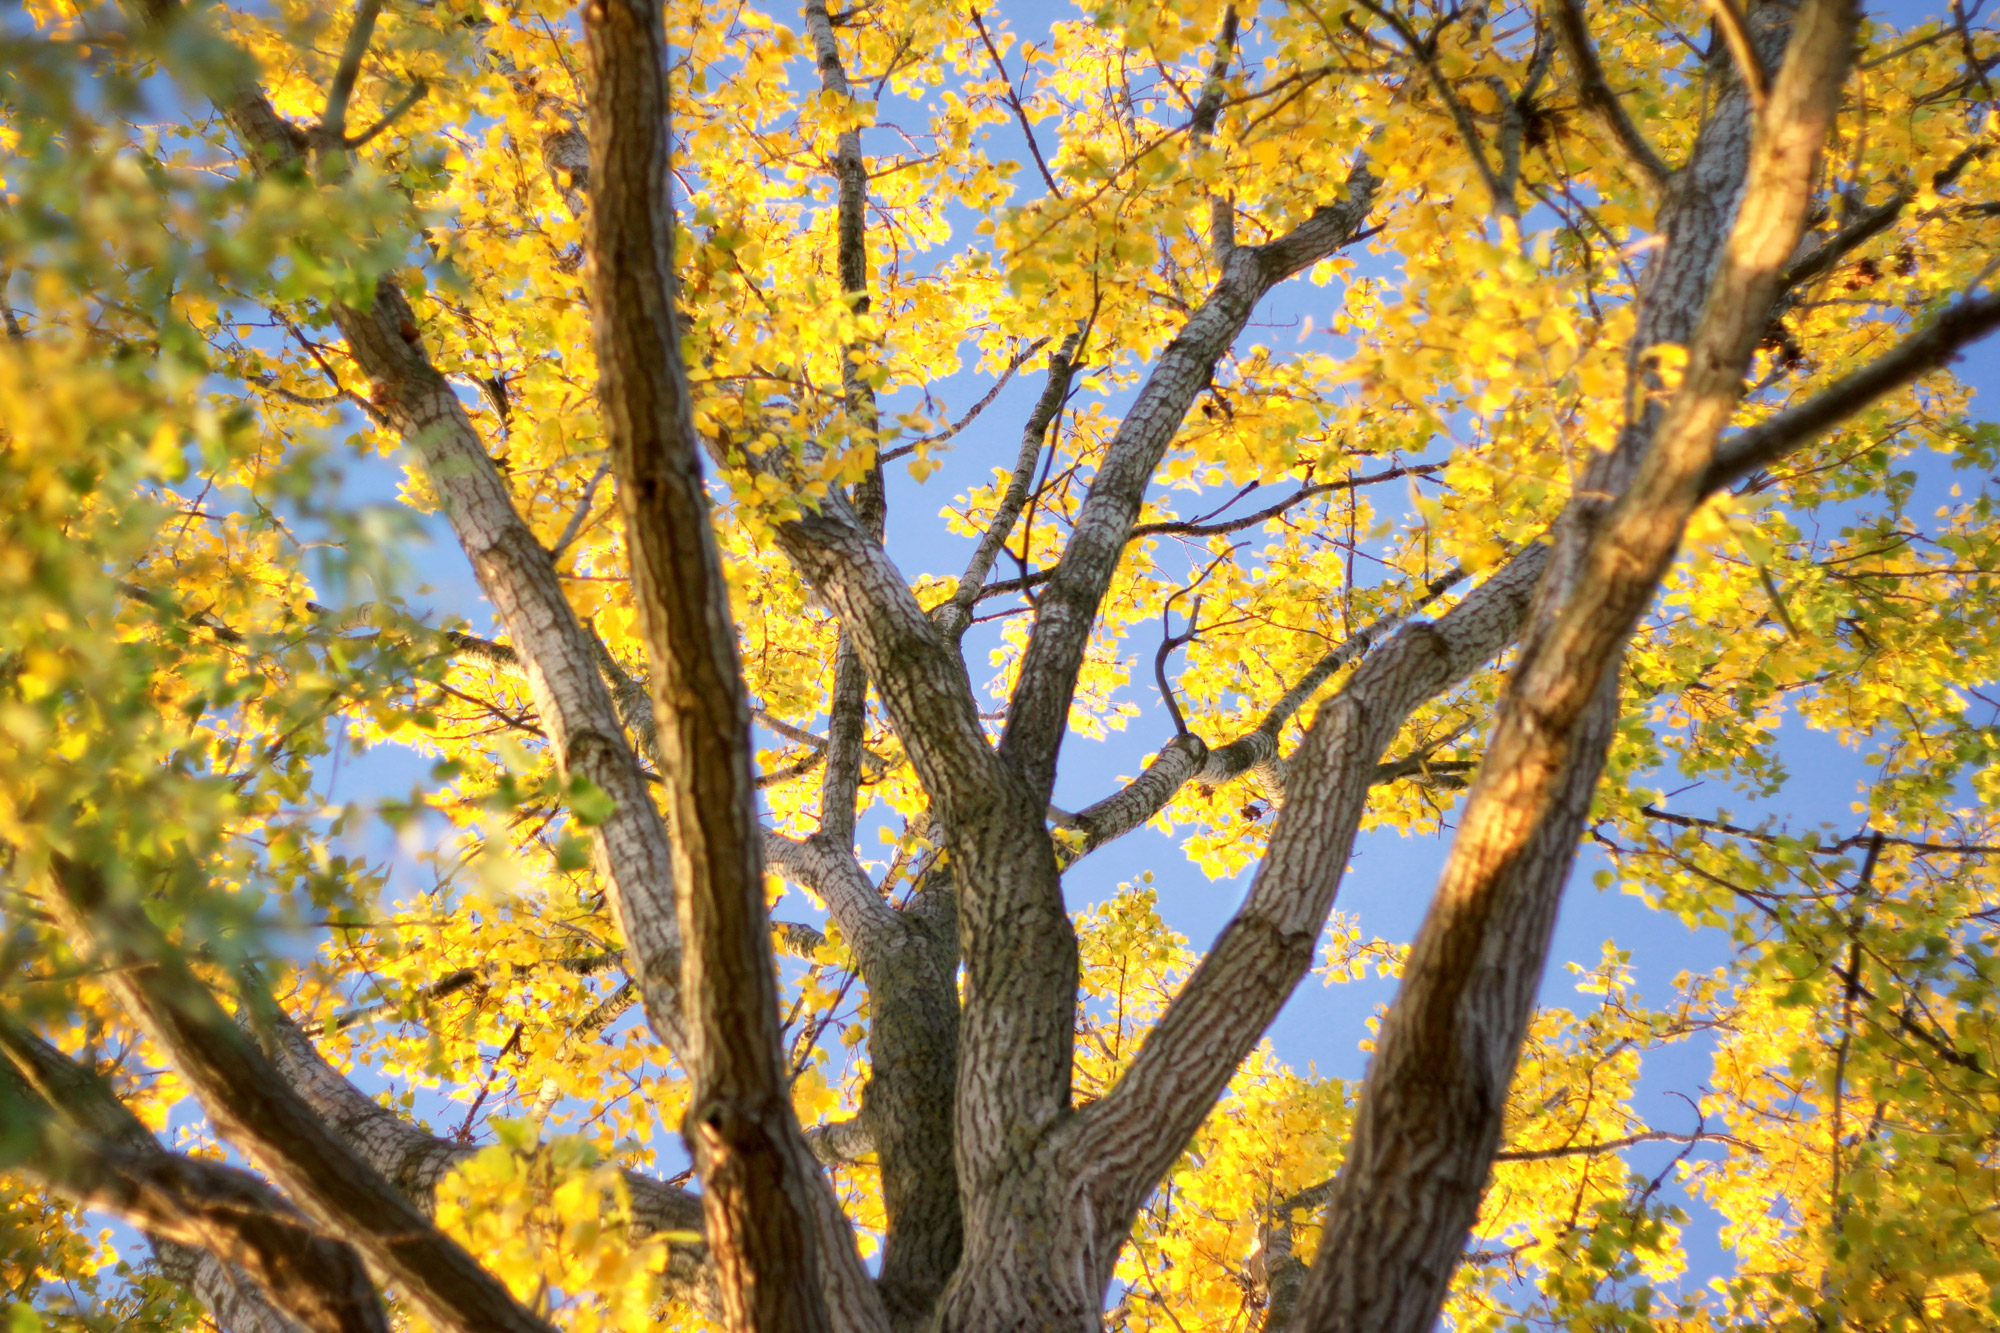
(333, 123)
(830, 871)
(1430, 1115)
(846, 744)
(415, 1161)
(1962, 323)
(1614, 1145)
(318, 1282)
(1137, 1130)
(516, 573)
(774, 1230)
(1038, 714)
(251, 1105)
(235, 1299)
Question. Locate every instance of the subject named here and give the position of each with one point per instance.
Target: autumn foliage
(416, 1045)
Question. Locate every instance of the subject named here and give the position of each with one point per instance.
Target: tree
(1649, 313)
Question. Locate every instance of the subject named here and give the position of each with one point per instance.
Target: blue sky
(1391, 878)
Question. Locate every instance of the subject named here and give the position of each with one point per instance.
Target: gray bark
(1006, 1204)
(1429, 1119)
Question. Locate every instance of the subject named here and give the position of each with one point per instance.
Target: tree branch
(1187, 759)
(237, 1302)
(1430, 1115)
(1594, 91)
(1871, 222)
(254, 1107)
(1013, 100)
(846, 744)
(333, 122)
(1201, 528)
(391, 115)
(318, 1282)
(1735, 29)
(1960, 324)
(517, 575)
(1201, 127)
(831, 872)
(1038, 713)
(1425, 53)
(1617, 1145)
(784, 1254)
(1829, 849)
(954, 615)
(1141, 1125)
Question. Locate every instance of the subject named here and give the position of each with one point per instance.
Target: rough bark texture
(253, 1107)
(1006, 1206)
(1035, 1240)
(1038, 713)
(415, 1161)
(518, 576)
(327, 1286)
(772, 1223)
(1430, 1114)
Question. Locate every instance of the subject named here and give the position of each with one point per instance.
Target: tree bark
(516, 573)
(772, 1222)
(252, 1106)
(1429, 1120)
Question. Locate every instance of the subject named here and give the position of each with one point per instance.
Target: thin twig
(575, 525)
(1014, 363)
(392, 115)
(1013, 99)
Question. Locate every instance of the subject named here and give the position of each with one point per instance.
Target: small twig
(1013, 99)
(1014, 363)
(389, 117)
(1424, 51)
(575, 525)
(1615, 1145)
(464, 1131)
(1595, 93)
(1829, 849)
(1201, 127)
(1200, 527)
(1963, 23)
(1168, 642)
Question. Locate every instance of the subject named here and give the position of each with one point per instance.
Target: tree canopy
(1626, 445)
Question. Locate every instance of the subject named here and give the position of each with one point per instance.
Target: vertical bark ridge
(907, 1104)
(1429, 1118)
(1031, 1234)
(783, 1253)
